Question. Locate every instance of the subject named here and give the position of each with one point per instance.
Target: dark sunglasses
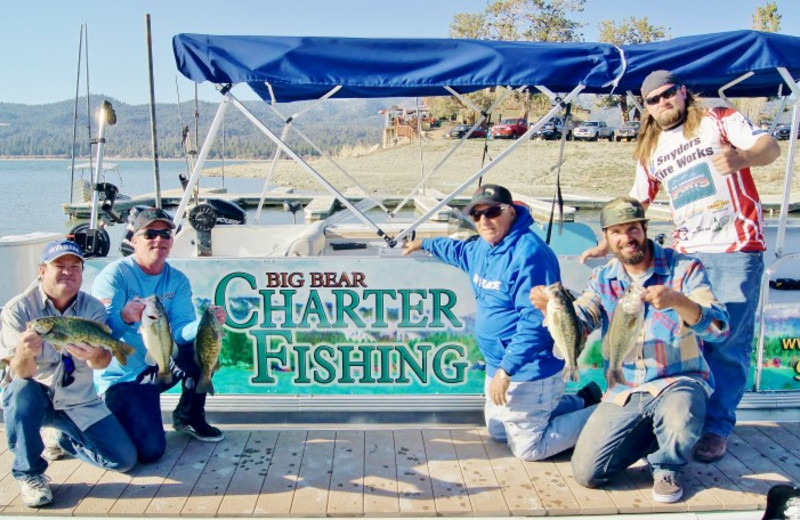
(490, 212)
(151, 234)
(667, 94)
(69, 368)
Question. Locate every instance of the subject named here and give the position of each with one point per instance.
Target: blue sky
(39, 38)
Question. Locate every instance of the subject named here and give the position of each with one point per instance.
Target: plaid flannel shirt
(668, 349)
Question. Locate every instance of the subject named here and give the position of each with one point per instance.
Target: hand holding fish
(662, 297)
(219, 312)
(132, 312)
(95, 357)
(539, 298)
(30, 344)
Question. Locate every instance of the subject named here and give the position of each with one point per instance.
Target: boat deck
(407, 471)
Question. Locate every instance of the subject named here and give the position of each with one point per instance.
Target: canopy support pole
(311, 171)
(782, 222)
(731, 83)
(312, 144)
(522, 139)
(219, 117)
(484, 114)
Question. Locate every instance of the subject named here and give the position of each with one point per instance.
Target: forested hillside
(46, 130)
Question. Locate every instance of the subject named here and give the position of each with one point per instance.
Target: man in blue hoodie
(525, 401)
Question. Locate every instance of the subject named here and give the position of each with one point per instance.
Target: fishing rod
(75, 117)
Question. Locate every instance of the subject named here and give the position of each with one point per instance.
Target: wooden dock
(416, 470)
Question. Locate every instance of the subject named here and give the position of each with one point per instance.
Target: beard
(636, 257)
(670, 118)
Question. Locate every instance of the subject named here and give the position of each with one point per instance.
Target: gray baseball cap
(657, 79)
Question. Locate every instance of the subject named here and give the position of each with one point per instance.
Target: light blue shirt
(122, 281)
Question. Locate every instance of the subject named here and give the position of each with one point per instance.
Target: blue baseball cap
(59, 248)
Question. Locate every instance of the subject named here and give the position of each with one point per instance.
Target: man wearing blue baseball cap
(45, 387)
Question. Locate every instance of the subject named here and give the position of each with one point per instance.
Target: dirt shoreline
(589, 168)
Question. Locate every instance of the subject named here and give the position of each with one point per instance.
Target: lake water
(32, 191)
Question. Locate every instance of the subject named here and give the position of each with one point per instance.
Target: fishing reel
(203, 218)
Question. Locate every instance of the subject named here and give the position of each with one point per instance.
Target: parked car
(458, 131)
(782, 132)
(552, 130)
(509, 129)
(592, 131)
(628, 131)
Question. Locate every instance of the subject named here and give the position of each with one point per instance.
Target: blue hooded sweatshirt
(508, 327)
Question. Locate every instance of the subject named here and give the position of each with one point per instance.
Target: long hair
(650, 130)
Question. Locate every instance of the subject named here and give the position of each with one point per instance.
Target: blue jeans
(538, 421)
(664, 428)
(28, 407)
(736, 281)
(137, 404)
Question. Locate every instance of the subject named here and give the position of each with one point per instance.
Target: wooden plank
(756, 464)
(242, 494)
(313, 484)
(213, 482)
(319, 208)
(482, 487)
(347, 480)
(730, 496)
(75, 488)
(104, 494)
(780, 457)
(9, 490)
(551, 487)
(174, 491)
(520, 495)
(449, 490)
(592, 501)
(281, 480)
(413, 478)
(626, 493)
(149, 477)
(380, 474)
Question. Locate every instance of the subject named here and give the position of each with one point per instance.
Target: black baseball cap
(489, 194)
(150, 215)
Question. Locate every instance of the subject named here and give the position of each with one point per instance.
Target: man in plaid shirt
(658, 412)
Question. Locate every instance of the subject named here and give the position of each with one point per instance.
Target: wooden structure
(416, 470)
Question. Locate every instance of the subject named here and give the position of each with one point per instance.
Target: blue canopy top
(708, 61)
(300, 68)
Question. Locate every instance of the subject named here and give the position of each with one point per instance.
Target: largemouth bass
(63, 330)
(157, 337)
(619, 345)
(207, 346)
(564, 327)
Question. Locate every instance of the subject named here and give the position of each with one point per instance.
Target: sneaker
(35, 490)
(201, 430)
(710, 447)
(666, 487)
(52, 450)
(591, 394)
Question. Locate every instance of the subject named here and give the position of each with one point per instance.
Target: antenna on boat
(75, 116)
(152, 109)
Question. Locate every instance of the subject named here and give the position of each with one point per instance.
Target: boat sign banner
(345, 326)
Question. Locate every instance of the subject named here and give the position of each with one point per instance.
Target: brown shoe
(710, 447)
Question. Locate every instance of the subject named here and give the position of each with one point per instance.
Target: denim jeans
(28, 407)
(736, 281)
(137, 404)
(538, 420)
(664, 428)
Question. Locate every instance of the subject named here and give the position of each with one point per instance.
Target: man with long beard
(702, 157)
(657, 408)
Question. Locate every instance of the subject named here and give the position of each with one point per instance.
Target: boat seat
(311, 242)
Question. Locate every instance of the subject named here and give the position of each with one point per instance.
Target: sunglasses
(490, 212)
(667, 94)
(69, 368)
(151, 234)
